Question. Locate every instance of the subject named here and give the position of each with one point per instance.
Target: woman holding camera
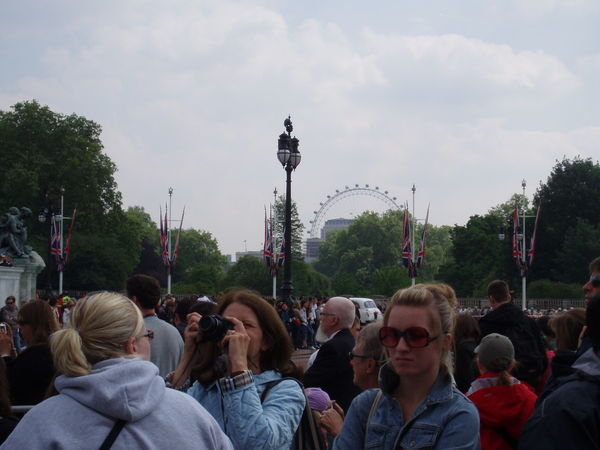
(417, 405)
(231, 367)
(109, 393)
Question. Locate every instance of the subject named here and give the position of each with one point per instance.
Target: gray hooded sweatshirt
(86, 409)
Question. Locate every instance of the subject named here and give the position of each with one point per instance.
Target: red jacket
(503, 410)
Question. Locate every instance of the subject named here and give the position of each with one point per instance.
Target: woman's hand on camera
(192, 333)
(236, 341)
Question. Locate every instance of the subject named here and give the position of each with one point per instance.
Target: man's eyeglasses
(327, 314)
(149, 334)
(415, 337)
(354, 355)
(595, 280)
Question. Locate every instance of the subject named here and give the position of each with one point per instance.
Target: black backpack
(308, 435)
(529, 350)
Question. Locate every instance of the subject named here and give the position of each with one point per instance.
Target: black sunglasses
(415, 337)
(149, 334)
(595, 280)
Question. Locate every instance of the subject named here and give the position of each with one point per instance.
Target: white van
(368, 310)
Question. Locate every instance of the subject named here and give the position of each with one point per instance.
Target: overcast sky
(463, 98)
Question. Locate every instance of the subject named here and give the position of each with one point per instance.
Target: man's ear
(134, 299)
(372, 366)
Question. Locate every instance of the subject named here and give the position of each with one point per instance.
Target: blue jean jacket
(444, 420)
(249, 423)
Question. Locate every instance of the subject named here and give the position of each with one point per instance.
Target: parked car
(368, 310)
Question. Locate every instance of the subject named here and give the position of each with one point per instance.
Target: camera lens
(214, 327)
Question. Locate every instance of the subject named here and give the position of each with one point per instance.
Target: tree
(249, 273)
(42, 151)
(200, 262)
(568, 194)
(580, 245)
(297, 226)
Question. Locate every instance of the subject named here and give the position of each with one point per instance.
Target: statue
(13, 233)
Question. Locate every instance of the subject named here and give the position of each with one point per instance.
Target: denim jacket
(444, 420)
(249, 423)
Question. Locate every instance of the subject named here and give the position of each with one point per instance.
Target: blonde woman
(108, 387)
(417, 405)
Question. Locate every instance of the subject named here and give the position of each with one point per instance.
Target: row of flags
(169, 260)
(60, 253)
(272, 260)
(410, 262)
(523, 257)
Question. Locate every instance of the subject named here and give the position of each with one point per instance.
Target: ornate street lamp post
(289, 157)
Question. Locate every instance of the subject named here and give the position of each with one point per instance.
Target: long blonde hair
(433, 297)
(100, 327)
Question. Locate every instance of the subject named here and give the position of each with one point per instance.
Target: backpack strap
(307, 436)
(372, 412)
(114, 432)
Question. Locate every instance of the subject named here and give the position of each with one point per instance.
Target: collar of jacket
(441, 390)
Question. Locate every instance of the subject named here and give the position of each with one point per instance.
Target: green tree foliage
(297, 226)
(478, 256)
(150, 262)
(553, 289)
(581, 244)
(365, 258)
(42, 151)
(250, 273)
(200, 265)
(569, 193)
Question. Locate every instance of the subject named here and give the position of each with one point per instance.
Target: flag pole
(412, 235)
(62, 213)
(523, 254)
(273, 242)
(169, 243)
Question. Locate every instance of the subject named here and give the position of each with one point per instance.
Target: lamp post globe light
(289, 157)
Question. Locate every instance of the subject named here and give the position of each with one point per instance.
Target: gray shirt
(166, 348)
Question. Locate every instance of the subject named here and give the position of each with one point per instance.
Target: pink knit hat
(318, 399)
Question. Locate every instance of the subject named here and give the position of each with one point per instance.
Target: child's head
(495, 354)
(318, 399)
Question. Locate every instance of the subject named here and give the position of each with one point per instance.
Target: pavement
(300, 357)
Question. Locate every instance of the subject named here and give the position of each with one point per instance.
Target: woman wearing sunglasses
(109, 393)
(417, 405)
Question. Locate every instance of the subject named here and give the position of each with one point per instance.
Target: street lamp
(289, 156)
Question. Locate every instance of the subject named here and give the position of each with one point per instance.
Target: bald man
(331, 370)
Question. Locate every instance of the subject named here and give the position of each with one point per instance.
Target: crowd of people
(132, 371)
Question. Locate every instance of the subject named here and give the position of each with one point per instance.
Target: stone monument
(19, 264)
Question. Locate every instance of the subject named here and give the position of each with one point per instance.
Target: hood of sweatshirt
(121, 388)
(504, 406)
(589, 363)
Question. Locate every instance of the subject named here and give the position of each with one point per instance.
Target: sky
(463, 99)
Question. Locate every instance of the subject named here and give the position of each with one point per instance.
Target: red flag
(531, 251)
(421, 254)
(176, 252)
(67, 251)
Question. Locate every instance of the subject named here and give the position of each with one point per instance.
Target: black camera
(214, 327)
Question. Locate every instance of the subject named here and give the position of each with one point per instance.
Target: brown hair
(567, 326)
(502, 367)
(428, 296)
(498, 289)
(276, 357)
(466, 328)
(595, 265)
(39, 315)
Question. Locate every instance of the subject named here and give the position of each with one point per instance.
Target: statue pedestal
(20, 280)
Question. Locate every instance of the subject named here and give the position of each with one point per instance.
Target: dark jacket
(30, 374)
(465, 368)
(331, 370)
(570, 416)
(510, 321)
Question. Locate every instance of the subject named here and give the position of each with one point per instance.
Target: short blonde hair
(100, 327)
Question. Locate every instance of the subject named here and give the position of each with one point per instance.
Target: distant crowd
(136, 371)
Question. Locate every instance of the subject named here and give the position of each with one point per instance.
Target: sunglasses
(415, 337)
(149, 334)
(595, 280)
(354, 355)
